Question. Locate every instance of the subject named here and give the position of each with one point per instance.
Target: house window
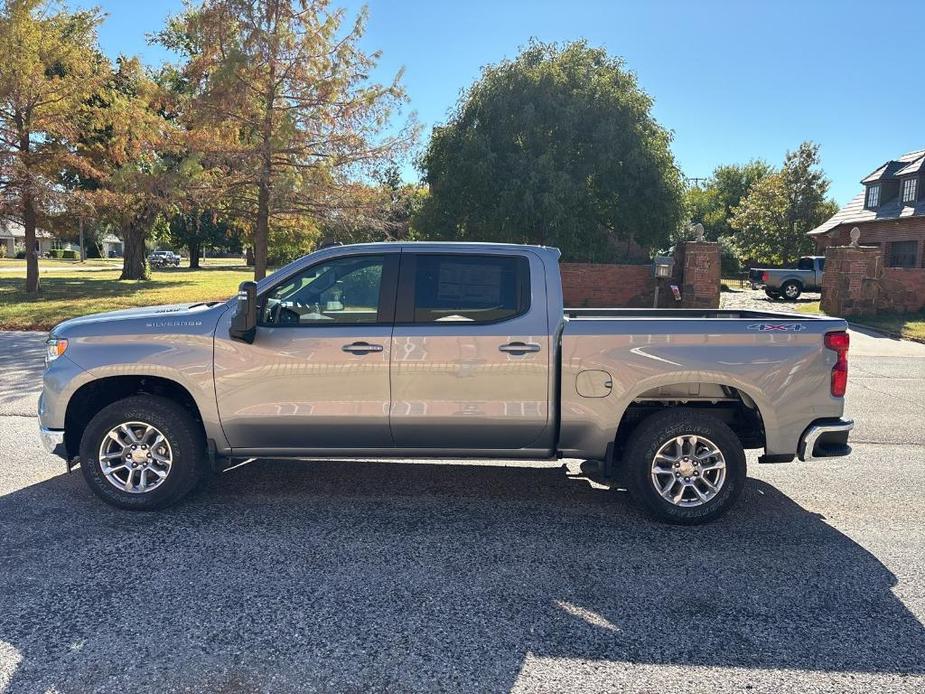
(910, 189)
(902, 253)
(873, 196)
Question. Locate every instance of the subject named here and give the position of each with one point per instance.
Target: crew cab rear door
(470, 351)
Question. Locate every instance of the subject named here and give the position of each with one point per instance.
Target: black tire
(182, 432)
(791, 290)
(772, 294)
(656, 430)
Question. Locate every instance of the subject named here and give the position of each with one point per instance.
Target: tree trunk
(261, 232)
(32, 258)
(28, 211)
(195, 248)
(134, 262)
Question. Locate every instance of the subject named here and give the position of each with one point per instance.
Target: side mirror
(244, 322)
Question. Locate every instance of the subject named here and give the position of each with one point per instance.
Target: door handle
(361, 348)
(519, 347)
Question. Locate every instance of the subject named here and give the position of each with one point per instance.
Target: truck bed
(613, 359)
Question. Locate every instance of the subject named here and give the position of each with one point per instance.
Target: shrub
(69, 254)
(730, 265)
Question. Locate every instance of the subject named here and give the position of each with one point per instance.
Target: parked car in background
(788, 284)
(441, 350)
(164, 259)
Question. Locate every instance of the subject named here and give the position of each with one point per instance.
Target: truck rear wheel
(142, 453)
(684, 466)
(791, 290)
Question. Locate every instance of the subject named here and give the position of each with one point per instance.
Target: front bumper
(53, 441)
(826, 438)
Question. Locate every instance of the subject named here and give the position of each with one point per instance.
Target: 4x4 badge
(777, 327)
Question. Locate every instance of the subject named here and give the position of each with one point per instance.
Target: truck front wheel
(684, 466)
(142, 453)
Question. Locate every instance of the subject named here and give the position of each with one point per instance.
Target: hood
(145, 319)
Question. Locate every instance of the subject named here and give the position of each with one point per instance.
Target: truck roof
(549, 253)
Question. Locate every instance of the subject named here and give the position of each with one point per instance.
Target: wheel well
(94, 396)
(724, 402)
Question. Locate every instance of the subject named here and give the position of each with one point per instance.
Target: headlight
(54, 348)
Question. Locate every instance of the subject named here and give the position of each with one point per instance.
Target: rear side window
(805, 264)
(470, 288)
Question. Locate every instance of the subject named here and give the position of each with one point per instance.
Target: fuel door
(594, 383)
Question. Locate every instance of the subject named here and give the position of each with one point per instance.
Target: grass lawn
(67, 292)
(908, 325)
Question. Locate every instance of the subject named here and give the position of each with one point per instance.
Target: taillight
(838, 343)
(764, 277)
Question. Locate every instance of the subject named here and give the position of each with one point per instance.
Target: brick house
(889, 212)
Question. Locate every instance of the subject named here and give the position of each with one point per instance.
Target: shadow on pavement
(349, 576)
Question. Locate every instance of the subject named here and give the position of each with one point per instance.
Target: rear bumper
(826, 438)
(53, 441)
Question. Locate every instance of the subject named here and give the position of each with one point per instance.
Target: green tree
(712, 204)
(198, 229)
(144, 170)
(771, 222)
(282, 96)
(559, 147)
(50, 67)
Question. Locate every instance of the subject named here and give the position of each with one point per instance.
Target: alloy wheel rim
(688, 470)
(791, 291)
(135, 457)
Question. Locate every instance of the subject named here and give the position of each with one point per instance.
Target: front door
(317, 373)
(470, 352)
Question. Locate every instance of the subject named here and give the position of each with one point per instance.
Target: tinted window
(345, 290)
(470, 288)
(805, 264)
(902, 253)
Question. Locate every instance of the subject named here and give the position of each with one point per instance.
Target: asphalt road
(336, 576)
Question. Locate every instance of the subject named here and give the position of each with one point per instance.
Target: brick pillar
(697, 273)
(851, 283)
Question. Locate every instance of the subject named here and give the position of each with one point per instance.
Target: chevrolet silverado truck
(789, 283)
(427, 350)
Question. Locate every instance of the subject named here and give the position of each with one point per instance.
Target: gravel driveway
(757, 300)
(339, 576)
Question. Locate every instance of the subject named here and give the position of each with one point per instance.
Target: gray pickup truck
(441, 350)
(789, 283)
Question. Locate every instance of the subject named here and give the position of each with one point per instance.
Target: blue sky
(733, 80)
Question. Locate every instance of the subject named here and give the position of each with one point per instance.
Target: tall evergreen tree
(282, 98)
(51, 65)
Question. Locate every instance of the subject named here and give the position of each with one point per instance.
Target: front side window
(470, 288)
(902, 253)
(873, 196)
(345, 290)
(910, 189)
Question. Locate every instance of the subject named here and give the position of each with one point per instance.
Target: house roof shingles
(15, 230)
(855, 212)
